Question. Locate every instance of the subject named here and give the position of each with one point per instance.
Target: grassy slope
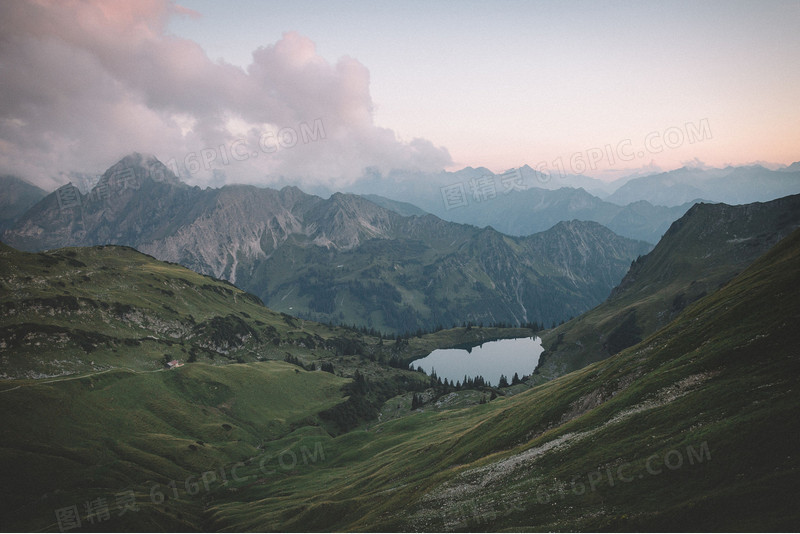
(95, 304)
(721, 379)
(70, 440)
(95, 413)
(83, 310)
(702, 251)
(718, 385)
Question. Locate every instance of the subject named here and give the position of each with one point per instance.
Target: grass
(72, 438)
(709, 401)
(694, 428)
(701, 252)
(95, 304)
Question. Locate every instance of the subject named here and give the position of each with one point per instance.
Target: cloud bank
(83, 83)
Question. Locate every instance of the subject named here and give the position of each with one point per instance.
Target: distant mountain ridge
(534, 210)
(402, 208)
(343, 259)
(523, 200)
(16, 197)
(732, 185)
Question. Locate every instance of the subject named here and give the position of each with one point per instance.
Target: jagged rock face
(344, 259)
(134, 169)
(227, 226)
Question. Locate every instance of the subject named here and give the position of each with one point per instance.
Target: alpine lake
(490, 360)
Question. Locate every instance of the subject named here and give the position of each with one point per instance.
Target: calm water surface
(489, 360)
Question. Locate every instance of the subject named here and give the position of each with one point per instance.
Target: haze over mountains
(731, 185)
(522, 201)
(343, 259)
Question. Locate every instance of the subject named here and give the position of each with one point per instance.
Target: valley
(705, 404)
(452, 266)
(140, 395)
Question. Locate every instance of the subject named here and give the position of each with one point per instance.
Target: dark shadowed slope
(701, 252)
(16, 197)
(693, 429)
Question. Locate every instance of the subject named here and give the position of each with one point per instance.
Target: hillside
(16, 197)
(89, 406)
(81, 311)
(700, 253)
(693, 429)
(91, 305)
(343, 260)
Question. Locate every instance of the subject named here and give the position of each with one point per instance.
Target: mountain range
(534, 210)
(731, 185)
(343, 259)
(692, 428)
(523, 201)
(139, 395)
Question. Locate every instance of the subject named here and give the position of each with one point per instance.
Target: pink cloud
(87, 82)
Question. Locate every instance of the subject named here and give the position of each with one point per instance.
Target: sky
(317, 92)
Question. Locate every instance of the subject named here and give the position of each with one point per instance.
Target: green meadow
(694, 428)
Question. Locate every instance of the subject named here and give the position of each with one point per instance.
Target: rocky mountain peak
(133, 169)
